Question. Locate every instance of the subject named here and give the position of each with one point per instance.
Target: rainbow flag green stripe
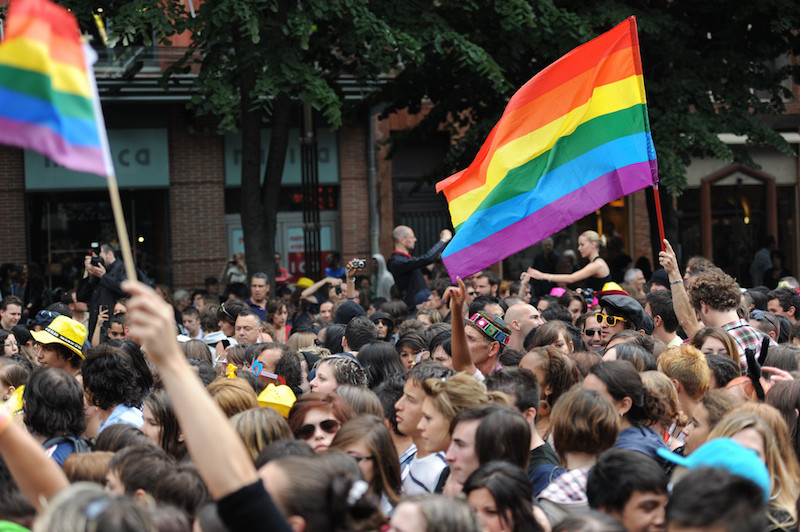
(573, 138)
(49, 99)
(586, 137)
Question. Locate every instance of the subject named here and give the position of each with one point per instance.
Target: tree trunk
(253, 213)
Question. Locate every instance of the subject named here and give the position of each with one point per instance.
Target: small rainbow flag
(47, 89)
(572, 139)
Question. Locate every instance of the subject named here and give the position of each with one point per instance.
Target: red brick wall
(12, 208)
(197, 203)
(640, 228)
(354, 199)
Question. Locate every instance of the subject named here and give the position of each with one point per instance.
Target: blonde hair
(459, 392)
(258, 427)
(301, 340)
(688, 366)
(783, 492)
(592, 236)
(232, 395)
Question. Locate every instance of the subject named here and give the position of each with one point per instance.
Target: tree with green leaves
(710, 67)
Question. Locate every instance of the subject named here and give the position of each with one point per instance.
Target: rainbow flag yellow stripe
(47, 88)
(579, 125)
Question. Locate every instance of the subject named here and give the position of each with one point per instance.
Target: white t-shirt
(424, 473)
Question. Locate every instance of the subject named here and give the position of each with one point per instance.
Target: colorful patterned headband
(492, 326)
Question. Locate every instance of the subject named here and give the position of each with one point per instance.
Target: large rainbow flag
(572, 139)
(48, 95)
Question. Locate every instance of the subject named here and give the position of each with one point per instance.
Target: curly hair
(346, 370)
(109, 378)
(53, 403)
(662, 399)
(716, 289)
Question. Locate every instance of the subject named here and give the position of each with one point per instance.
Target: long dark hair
(372, 431)
(512, 493)
(379, 360)
(161, 407)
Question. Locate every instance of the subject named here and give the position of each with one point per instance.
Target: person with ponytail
(619, 381)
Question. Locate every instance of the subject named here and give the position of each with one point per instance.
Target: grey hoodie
(383, 280)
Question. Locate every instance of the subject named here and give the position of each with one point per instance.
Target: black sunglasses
(307, 431)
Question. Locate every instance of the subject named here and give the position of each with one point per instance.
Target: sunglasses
(222, 309)
(472, 293)
(329, 426)
(610, 320)
(760, 315)
(592, 332)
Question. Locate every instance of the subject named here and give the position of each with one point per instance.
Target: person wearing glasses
(9, 341)
(316, 417)
(591, 332)
(368, 441)
(766, 323)
(620, 313)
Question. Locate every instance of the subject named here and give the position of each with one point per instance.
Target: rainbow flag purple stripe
(572, 139)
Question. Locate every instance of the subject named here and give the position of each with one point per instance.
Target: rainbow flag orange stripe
(572, 139)
(47, 89)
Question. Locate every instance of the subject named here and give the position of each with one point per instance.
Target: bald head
(521, 319)
(401, 231)
(403, 238)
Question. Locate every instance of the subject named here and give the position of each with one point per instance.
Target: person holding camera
(332, 286)
(100, 285)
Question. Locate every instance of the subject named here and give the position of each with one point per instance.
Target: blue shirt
(128, 415)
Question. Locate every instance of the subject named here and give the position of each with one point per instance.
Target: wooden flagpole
(122, 229)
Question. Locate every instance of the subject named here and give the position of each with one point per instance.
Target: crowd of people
(404, 401)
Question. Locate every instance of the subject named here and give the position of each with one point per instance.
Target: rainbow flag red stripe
(47, 88)
(572, 139)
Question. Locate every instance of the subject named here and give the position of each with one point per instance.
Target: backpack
(81, 445)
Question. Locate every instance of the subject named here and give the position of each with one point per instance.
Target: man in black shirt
(405, 268)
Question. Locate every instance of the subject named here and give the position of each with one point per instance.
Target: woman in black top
(594, 275)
